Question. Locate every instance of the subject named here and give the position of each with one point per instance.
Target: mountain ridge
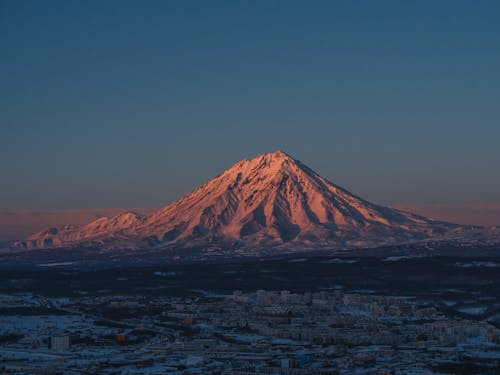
(270, 201)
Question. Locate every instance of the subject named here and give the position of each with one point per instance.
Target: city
(262, 332)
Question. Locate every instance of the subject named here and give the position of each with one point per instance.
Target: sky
(107, 104)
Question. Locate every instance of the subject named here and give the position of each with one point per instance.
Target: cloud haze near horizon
(18, 224)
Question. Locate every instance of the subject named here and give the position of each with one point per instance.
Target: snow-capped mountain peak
(270, 201)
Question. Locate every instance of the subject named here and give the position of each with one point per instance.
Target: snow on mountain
(271, 201)
(68, 235)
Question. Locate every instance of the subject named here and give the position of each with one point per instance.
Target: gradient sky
(133, 104)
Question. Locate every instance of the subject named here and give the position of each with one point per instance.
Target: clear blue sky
(135, 103)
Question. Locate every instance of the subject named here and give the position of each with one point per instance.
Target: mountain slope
(272, 201)
(68, 235)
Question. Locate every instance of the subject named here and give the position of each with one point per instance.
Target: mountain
(71, 234)
(270, 202)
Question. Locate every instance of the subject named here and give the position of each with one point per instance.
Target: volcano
(270, 202)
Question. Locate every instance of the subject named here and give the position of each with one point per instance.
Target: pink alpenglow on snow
(271, 201)
(16, 224)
